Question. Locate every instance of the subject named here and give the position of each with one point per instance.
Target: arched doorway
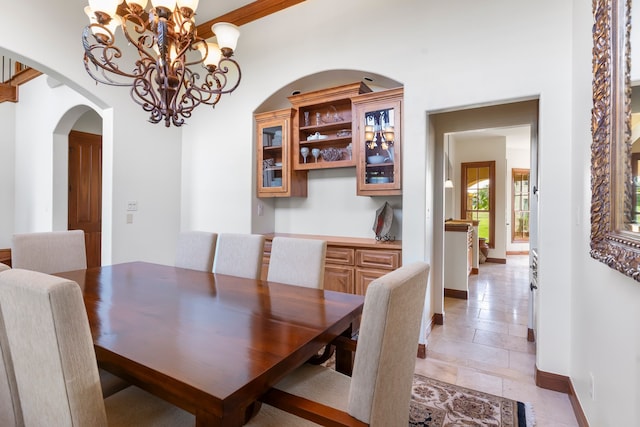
(78, 178)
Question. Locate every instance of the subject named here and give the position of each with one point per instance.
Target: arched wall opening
(331, 206)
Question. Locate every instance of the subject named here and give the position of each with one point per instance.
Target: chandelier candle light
(163, 80)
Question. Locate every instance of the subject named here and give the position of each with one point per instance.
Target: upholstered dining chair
(55, 252)
(195, 250)
(50, 251)
(10, 412)
(48, 335)
(379, 392)
(4, 267)
(239, 255)
(296, 261)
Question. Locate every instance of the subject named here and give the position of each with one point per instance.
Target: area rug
(438, 404)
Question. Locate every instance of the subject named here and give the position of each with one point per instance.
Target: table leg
(236, 419)
(344, 357)
(207, 419)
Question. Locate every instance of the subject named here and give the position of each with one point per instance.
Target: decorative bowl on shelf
(377, 159)
(316, 136)
(331, 154)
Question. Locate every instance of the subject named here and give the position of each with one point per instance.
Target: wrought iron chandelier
(162, 80)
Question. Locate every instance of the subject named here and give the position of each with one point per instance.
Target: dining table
(211, 344)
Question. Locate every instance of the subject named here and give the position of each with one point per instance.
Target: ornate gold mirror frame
(612, 241)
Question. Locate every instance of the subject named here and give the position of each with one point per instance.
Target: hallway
(483, 344)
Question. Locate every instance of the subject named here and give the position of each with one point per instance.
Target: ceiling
(237, 12)
(517, 137)
(210, 9)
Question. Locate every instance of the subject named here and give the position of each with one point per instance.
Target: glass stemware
(316, 153)
(305, 152)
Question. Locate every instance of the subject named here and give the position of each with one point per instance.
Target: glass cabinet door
(379, 130)
(275, 176)
(271, 143)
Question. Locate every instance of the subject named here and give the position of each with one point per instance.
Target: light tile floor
(483, 343)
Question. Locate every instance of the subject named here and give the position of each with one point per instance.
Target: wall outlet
(260, 209)
(129, 218)
(592, 386)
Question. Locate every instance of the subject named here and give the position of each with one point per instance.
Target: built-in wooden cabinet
(377, 119)
(343, 126)
(351, 263)
(373, 263)
(322, 127)
(276, 176)
(5, 256)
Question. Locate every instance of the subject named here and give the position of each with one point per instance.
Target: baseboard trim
(475, 270)
(438, 318)
(517, 252)
(456, 293)
(422, 348)
(577, 408)
(562, 384)
(531, 336)
(422, 351)
(552, 381)
(429, 327)
(496, 260)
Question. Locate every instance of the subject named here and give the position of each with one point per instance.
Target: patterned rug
(438, 404)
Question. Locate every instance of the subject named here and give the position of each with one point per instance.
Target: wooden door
(85, 191)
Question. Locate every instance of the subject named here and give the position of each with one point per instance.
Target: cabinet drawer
(338, 255)
(339, 279)
(388, 259)
(364, 277)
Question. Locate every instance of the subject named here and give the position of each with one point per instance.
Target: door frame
(521, 112)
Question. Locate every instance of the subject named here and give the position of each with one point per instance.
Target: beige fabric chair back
(297, 261)
(380, 391)
(3, 267)
(195, 250)
(49, 252)
(239, 255)
(52, 350)
(10, 411)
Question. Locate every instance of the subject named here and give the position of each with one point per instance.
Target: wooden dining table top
(209, 343)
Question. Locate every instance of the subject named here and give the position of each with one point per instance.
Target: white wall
(89, 122)
(35, 150)
(141, 161)
(7, 169)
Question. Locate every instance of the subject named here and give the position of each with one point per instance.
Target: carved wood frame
(611, 183)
